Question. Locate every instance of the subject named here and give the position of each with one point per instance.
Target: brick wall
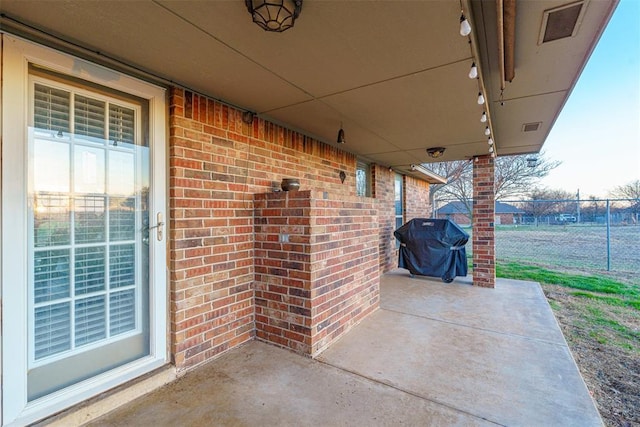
(217, 163)
(316, 267)
(383, 191)
(483, 240)
(416, 195)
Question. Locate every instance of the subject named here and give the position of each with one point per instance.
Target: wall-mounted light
(340, 139)
(483, 117)
(435, 152)
(274, 15)
(480, 98)
(247, 117)
(342, 176)
(473, 72)
(465, 28)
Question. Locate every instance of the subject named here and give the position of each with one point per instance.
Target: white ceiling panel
(394, 73)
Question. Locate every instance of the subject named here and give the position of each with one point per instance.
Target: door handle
(159, 226)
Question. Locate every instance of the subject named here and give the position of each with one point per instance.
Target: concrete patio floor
(435, 354)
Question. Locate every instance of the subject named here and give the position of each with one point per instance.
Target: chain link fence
(592, 235)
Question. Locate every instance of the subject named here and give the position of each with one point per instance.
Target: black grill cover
(433, 247)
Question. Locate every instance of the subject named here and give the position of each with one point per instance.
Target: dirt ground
(607, 352)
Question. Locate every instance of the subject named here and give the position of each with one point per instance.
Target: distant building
(458, 213)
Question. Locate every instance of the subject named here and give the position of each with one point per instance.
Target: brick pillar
(484, 249)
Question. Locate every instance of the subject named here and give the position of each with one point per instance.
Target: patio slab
(497, 353)
(435, 354)
(262, 385)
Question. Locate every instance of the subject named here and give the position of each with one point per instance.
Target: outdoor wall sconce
(343, 176)
(274, 15)
(340, 139)
(435, 152)
(247, 117)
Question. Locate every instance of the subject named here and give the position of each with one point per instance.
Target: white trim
(17, 54)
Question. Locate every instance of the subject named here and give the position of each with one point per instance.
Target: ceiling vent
(561, 22)
(531, 127)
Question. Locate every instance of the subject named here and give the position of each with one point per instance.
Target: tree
(455, 172)
(514, 177)
(546, 201)
(630, 190)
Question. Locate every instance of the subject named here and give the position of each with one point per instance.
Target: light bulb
(473, 72)
(487, 131)
(483, 117)
(491, 149)
(465, 28)
(490, 141)
(480, 98)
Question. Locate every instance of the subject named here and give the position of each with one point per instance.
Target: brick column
(316, 267)
(484, 255)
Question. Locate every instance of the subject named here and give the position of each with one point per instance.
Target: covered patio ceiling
(393, 74)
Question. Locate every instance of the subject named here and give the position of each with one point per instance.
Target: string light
(465, 28)
(473, 72)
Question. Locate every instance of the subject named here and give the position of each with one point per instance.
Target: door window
(88, 190)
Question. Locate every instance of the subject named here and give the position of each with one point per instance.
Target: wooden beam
(509, 23)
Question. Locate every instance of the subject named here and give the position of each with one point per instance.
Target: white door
(87, 207)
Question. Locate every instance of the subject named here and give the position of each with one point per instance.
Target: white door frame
(17, 54)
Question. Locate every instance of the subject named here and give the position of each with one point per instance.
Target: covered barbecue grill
(433, 247)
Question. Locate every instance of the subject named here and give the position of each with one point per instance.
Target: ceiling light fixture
(483, 117)
(465, 28)
(341, 139)
(473, 72)
(274, 15)
(435, 152)
(480, 98)
(487, 131)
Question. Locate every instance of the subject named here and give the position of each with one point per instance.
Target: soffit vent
(531, 127)
(561, 22)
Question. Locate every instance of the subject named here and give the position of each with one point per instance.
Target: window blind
(83, 253)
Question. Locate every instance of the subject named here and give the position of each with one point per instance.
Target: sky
(597, 134)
